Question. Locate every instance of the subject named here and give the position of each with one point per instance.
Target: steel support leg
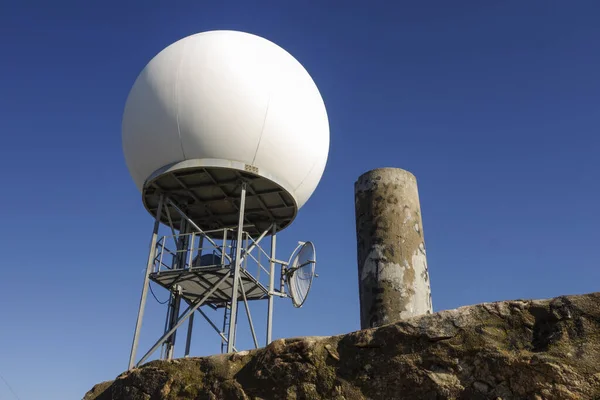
(188, 340)
(176, 299)
(166, 329)
(236, 272)
(226, 314)
(149, 265)
(271, 285)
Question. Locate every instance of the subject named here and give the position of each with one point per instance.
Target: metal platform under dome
(208, 191)
(196, 282)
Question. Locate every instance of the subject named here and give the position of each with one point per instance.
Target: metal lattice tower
(226, 136)
(213, 268)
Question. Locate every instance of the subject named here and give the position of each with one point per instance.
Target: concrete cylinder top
(392, 265)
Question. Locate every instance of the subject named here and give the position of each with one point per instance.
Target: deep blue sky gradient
(493, 105)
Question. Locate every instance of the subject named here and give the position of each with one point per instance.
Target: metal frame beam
(212, 324)
(149, 266)
(188, 341)
(260, 201)
(189, 311)
(249, 317)
(236, 272)
(271, 286)
(241, 207)
(234, 181)
(174, 307)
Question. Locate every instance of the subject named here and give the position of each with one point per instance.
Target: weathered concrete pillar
(392, 266)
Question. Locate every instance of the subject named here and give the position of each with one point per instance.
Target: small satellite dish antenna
(301, 272)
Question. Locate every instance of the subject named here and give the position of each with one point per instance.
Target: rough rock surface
(546, 349)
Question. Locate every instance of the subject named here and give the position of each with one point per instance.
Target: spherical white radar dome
(228, 96)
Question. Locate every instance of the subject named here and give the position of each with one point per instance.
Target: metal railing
(198, 250)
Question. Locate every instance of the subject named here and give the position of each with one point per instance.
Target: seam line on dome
(307, 175)
(262, 130)
(178, 73)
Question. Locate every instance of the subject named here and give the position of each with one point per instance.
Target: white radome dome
(232, 96)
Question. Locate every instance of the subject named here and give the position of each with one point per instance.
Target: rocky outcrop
(547, 349)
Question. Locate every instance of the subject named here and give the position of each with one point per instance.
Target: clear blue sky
(493, 105)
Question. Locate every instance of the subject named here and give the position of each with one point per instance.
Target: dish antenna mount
(300, 272)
